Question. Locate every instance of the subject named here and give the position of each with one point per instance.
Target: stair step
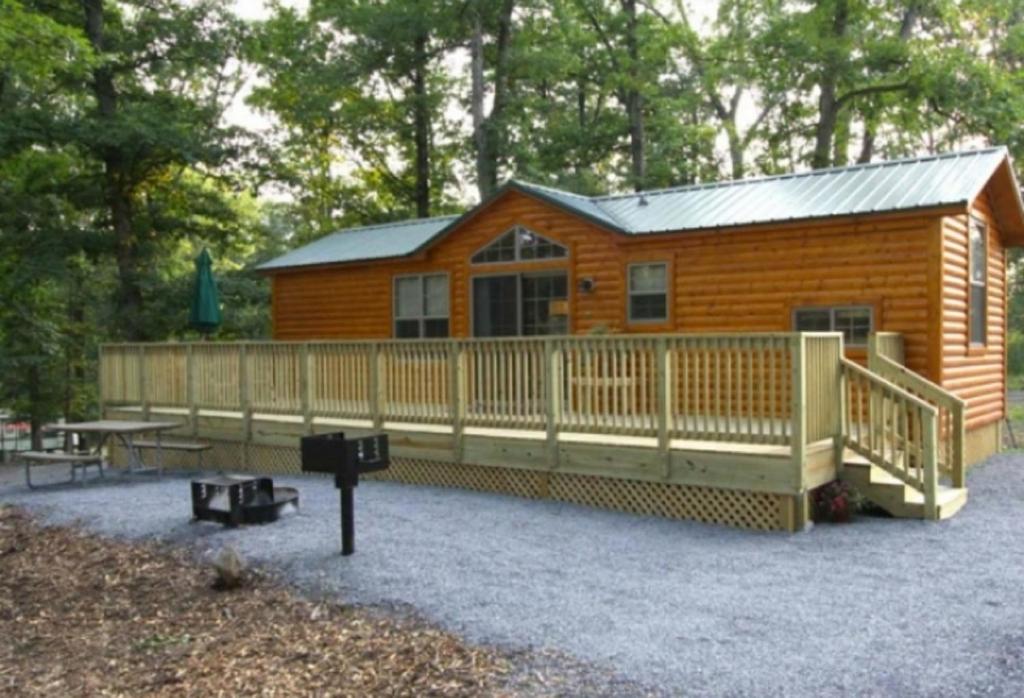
(895, 496)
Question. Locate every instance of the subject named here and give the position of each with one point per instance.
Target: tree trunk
(867, 145)
(128, 299)
(634, 99)
(488, 130)
(736, 154)
(421, 128)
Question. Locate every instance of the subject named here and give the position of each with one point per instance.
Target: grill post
(332, 454)
(348, 522)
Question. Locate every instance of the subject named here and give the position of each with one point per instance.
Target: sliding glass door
(510, 305)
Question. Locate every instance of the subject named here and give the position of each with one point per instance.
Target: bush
(836, 502)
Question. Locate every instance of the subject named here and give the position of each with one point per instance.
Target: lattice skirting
(753, 510)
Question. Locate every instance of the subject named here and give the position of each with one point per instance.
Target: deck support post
(304, 392)
(665, 397)
(243, 402)
(553, 400)
(842, 415)
(798, 410)
(101, 396)
(456, 401)
(190, 389)
(930, 446)
(376, 387)
(958, 471)
(143, 399)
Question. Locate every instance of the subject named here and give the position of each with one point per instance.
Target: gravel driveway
(880, 607)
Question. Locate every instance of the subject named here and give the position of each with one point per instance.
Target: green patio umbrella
(205, 315)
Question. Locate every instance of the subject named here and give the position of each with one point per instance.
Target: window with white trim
(421, 306)
(978, 310)
(519, 245)
(854, 321)
(648, 292)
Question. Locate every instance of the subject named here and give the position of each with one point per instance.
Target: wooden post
(843, 416)
(143, 399)
(553, 399)
(798, 437)
(190, 389)
(957, 467)
(101, 390)
(665, 392)
(930, 446)
(456, 401)
(243, 401)
(376, 386)
(304, 388)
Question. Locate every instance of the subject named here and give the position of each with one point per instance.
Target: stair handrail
(944, 400)
(885, 446)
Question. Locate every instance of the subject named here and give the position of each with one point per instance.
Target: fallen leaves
(81, 615)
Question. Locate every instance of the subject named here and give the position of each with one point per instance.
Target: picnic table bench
(185, 446)
(77, 461)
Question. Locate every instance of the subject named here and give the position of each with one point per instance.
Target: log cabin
(663, 351)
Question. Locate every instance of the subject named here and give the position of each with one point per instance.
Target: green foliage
(117, 165)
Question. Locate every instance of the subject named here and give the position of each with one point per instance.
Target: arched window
(519, 245)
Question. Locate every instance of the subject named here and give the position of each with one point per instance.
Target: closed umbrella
(205, 315)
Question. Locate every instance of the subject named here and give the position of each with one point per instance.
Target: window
(509, 305)
(979, 282)
(421, 306)
(519, 245)
(648, 292)
(853, 321)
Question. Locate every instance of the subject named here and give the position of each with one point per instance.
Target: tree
(158, 91)
(489, 128)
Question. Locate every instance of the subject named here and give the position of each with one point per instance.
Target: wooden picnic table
(124, 431)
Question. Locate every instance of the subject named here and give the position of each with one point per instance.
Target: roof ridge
(795, 175)
(545, 187)
(593, 201)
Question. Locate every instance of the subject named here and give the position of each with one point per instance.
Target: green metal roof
(365, 243)
(898, 185)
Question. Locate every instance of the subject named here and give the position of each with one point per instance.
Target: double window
(855, 322)
(509, 305)
(648, 292)
(519, 245)
(978, 282)
(421, 306)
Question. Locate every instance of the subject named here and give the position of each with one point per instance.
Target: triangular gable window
(519, 245)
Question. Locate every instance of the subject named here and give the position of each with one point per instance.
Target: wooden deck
(744, 413)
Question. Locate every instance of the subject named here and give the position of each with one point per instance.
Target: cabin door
(513, 305)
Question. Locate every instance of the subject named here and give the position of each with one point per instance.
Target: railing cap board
(576, 338)
(926, 407)
(940, 393)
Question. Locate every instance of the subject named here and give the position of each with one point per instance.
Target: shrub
(836, 502)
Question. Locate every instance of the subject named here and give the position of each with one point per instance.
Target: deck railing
(892, 429)
(886, 358)
(775, 389)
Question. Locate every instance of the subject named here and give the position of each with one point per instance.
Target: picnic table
(124, 431)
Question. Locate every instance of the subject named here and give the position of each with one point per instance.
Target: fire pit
(232, 500)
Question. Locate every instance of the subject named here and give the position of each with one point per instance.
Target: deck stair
(895, 496)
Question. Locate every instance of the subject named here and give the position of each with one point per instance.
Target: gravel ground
(879, 607)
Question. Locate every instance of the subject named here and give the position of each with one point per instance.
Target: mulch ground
(82, 615)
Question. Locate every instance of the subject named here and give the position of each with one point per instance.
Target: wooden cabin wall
(976, 374)
(740, 280)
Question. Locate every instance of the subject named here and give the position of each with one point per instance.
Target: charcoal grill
(346, 460)
(232, 500)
